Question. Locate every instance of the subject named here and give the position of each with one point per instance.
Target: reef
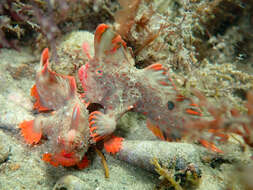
(207, 48)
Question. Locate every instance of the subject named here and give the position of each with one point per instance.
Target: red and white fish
(66, 122)
(111, 79)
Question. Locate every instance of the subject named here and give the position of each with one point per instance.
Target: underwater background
(205, 45)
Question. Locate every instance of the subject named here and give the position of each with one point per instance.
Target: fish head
(75, 135)
(68, 134)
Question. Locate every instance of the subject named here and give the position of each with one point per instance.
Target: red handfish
(66, 122)
(111, 79)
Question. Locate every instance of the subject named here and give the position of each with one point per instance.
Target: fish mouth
(62, 158)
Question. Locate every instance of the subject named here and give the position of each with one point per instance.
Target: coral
(218, 82)
(103, 160)
(70, 53)
(24, 70)
(125, 17)
(145, 32)
(184, 35)
(178, 178)
(41, 22)
(166, 175)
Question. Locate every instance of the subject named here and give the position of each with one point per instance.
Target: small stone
(69, 182)
(4, 154)
(14, 166)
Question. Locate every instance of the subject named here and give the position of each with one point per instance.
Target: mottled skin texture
(112, 80)
(66, 122)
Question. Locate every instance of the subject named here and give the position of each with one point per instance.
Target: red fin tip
(62, 158)
(210, 146)
(155, 130)
(45, 56)
(193, 112)
(156, 66)
(27, 130)
(99, 31)
(84, 163)
(113, 145)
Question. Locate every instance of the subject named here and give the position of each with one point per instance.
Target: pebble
(69, 182)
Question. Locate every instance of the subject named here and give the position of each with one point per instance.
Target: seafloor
(206, 44)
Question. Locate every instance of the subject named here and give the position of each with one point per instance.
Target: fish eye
(99, 72)
(170, 105)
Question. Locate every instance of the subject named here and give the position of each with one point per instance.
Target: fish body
(111, 79)
(66, 122)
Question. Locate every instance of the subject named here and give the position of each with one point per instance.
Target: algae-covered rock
(70, 52)
(4, 152)
(140, 153)
(183, 165)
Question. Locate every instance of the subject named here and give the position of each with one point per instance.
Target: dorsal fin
(158, 77)
(44, 62)
(99, 47)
